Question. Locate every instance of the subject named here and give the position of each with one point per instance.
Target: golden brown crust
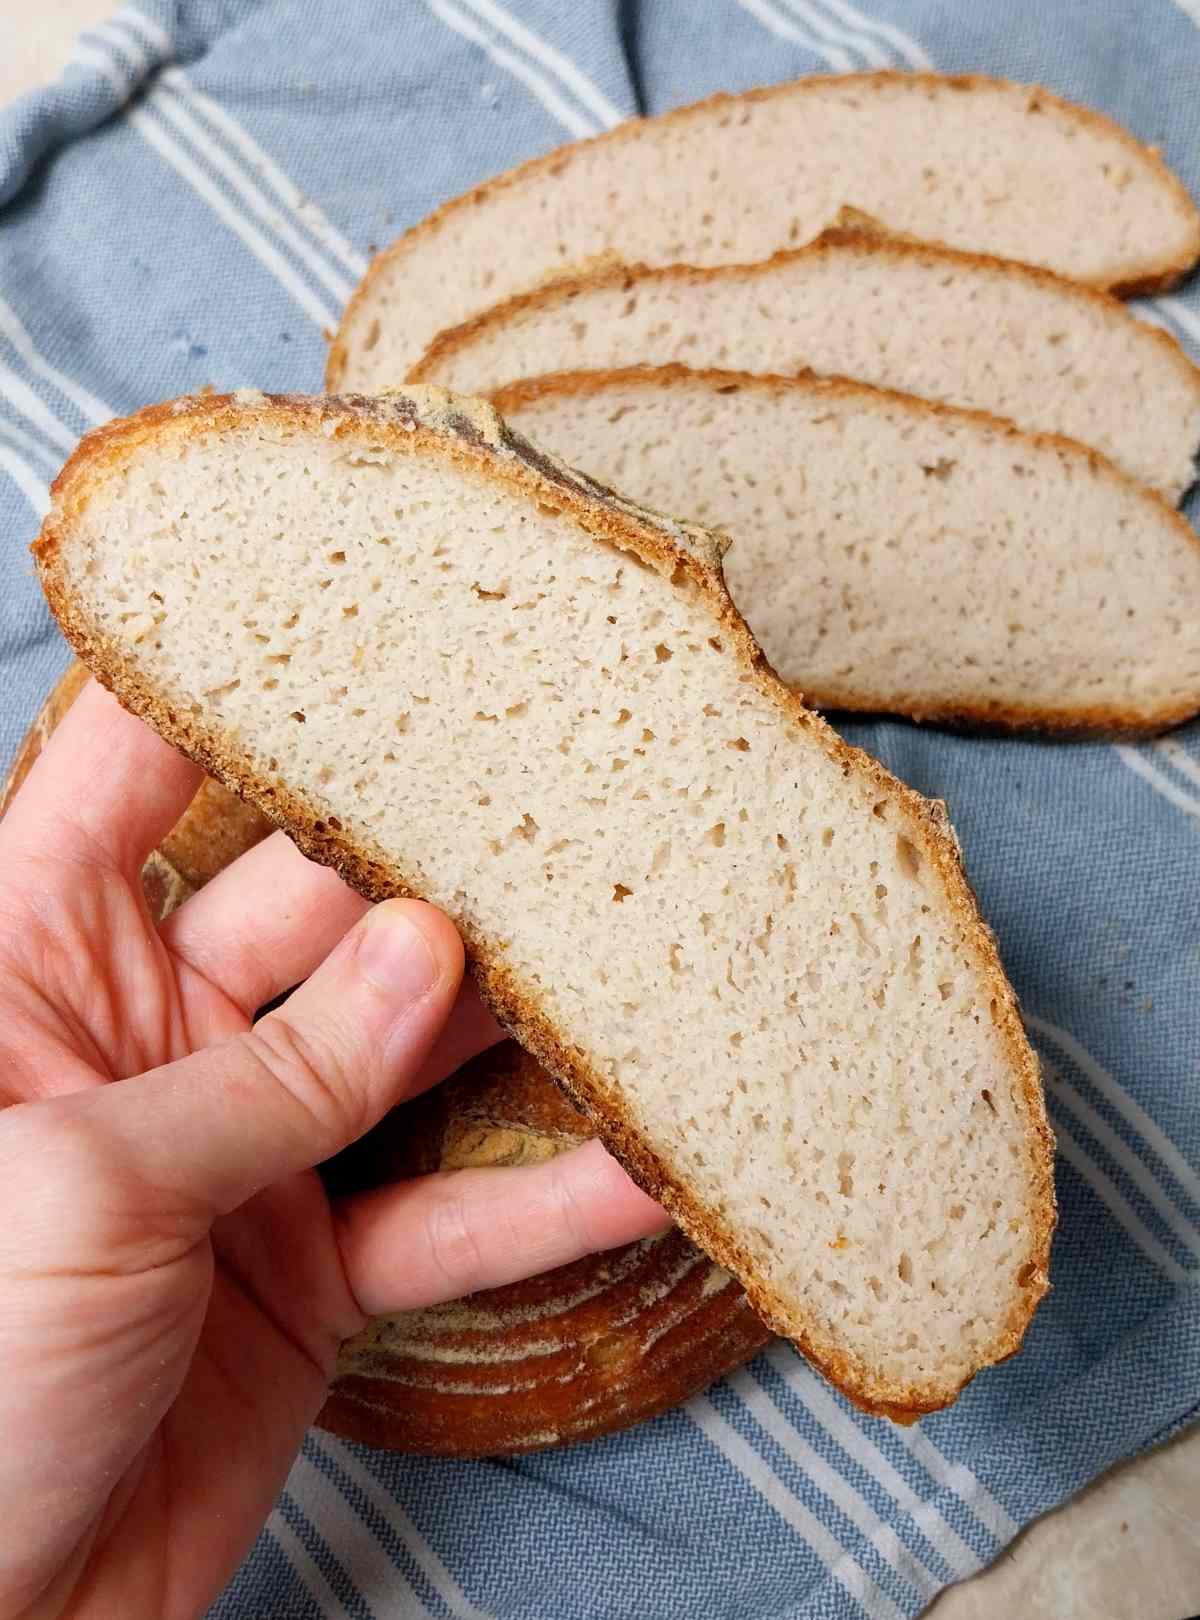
(592, 1354)
(1081, 723)
(395, 424)
(865, 238)
(1157, 277)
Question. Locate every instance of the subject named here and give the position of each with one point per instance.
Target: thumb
(206, 1133)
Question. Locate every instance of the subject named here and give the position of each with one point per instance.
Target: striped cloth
(192, 204)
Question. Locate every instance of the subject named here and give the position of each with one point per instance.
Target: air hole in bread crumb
(706, 922)
(827, 837)
(845, 1164)
(712, 714)
(620, 892)
(987, 1097)
(516, 710)
(904, 1270)
(663, 653)
(945, 990)
(956, 1212)
(740, 744)
(498, 595)
(298, 714)
(279, 658)
(716, 644)
(880, 809)
(716, 834)
(1026, 1274)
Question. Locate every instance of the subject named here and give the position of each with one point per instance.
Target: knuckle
(306, 1064)
(453, 1243)
(571, 1212)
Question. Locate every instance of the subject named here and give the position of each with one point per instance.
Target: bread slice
(976, 163)
(899, 556)
(952, 327)
(449, 665)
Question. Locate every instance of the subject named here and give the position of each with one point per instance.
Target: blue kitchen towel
(192, 204)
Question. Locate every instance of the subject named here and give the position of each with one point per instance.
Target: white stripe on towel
(575, 123)
(742, 1456)
(263, 168)
(872, 54)
(573, 79)
(153, 132)
(784, 28)
(857, 1444)
(425, 1556)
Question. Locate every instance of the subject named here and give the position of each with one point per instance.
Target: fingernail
(394, 954)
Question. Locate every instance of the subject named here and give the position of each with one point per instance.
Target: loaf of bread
(1049, 355)
(977, 163)
(892, 555)
(747, 951)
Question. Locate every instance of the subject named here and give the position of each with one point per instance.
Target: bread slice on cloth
(978, 163)
(892, 555)
(953, 327)
(450, 666)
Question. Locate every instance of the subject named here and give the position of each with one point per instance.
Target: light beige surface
(1129, 1548)
(1048, 355)
(1046, 584)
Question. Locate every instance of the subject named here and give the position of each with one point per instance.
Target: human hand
(174, 1282)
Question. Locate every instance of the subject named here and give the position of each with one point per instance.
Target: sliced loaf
(977, 163)
(1051, 356)
(451, 666)
(895, 555)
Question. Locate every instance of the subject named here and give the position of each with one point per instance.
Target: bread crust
(1157, 275)
(1087, 723)
(861, 239)
(395, 423)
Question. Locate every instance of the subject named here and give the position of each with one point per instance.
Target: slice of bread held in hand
(892, 555)
(984, 333)
(977, 163)
(450, 666)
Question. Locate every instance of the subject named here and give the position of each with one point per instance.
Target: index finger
(106, 789)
